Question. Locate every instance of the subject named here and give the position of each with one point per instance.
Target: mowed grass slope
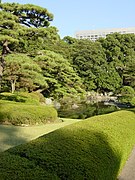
(96, 148)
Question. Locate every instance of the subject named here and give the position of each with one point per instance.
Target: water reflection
(86, 110)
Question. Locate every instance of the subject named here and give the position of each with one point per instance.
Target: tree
(28, 14)
(129, 71)
(87, 56)
(120, 52)
(8, 30)
(21, 21)
(127, 94)
(107, 78)
(59, 75)
(59, 47)
(36, 39)
(69, 40)
(22, 72)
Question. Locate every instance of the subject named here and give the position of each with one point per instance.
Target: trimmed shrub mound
(21, 113)
(23, 97)
(96, 148)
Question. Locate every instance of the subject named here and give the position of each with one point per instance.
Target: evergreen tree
(23, 73)
(20, 23)
(59, 75)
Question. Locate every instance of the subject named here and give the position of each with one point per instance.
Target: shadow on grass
(71, 155)
(9, 137)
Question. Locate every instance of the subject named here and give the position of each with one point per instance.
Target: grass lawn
(11, 136)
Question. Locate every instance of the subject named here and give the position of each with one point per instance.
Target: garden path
(128, 172)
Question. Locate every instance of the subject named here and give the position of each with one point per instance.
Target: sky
(71, 16)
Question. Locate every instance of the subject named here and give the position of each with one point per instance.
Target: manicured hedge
(22, 113)
(96, 148)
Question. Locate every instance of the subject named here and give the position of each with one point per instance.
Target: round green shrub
(21, 113)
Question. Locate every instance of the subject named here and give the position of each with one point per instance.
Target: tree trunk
(13, 82)
(5, 51)
(1, 70)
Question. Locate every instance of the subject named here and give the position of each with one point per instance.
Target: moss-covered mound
(96, 148)
(23, 113)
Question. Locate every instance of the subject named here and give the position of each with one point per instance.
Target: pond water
(86, 110)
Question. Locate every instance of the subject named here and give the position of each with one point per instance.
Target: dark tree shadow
(10, 136)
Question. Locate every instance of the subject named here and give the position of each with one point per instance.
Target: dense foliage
(59, 75)
(22, 73)
(96, 148)
(40, 60)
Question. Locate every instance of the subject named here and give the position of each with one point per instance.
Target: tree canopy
(59, 75)
(23, 73)
(28, 14)
(21, 26)
(34, 57)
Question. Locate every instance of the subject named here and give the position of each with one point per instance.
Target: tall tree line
(34, 57)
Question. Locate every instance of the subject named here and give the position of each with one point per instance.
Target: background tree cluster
(34, 57)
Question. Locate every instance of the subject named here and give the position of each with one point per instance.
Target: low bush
(96, 148)
(127, 94)
(133, 101)
(21, 113)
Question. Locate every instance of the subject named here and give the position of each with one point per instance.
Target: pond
(84, 110)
